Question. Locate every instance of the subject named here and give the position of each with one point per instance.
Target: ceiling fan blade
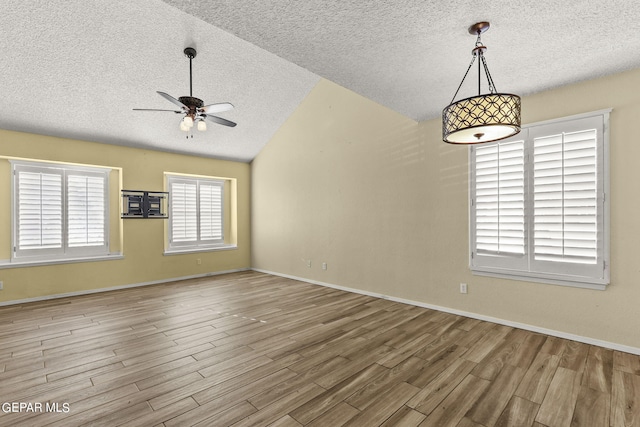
(216, 108)
(220, 120)
(172, 99)
(154, 109)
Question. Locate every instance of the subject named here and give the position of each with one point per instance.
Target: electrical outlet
(324, 265)
(309, 263)
(1, 285)
(463, 288)
(199, 261)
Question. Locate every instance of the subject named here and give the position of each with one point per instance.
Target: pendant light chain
(473, 59)
(492, 86)
(478, 51)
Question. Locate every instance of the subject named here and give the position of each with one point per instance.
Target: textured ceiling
(77, 68)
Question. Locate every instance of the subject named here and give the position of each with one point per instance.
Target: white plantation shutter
(86, 210)
(211, 211)
(565, 198)
(184, 217)
(499, 199)
(196, 206)
(538, 203)
(39, 209)
(60, 211)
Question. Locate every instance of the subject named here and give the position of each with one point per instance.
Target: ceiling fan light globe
(188, 121)
(202, 125)
(184, 127)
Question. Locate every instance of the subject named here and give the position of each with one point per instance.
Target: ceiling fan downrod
(190, 53)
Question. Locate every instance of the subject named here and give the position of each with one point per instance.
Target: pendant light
(483, 118)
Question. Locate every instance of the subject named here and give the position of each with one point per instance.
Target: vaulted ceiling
(77, 69)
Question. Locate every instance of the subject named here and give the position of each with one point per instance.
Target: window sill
(187, 250)
(558, 280)
(42, 262)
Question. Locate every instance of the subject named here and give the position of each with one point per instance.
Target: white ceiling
(77, 68)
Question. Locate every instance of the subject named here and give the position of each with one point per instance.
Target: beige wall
(142, 240)
(384, 202)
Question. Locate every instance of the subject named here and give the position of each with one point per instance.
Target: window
(196, 218)
(60, 211)
(538, 203)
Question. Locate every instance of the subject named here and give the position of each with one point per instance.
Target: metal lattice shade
(481, 118)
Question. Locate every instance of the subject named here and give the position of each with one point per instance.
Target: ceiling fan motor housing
(191, 102)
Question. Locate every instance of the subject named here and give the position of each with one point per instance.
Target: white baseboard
(532, 328)
(115, 288)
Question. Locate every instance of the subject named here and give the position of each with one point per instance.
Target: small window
(538, 203)
(60, 211)
(196, 213)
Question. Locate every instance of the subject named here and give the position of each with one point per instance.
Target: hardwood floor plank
(229, 416)
(430, 396)
(177, 351)
(209, 388)
(336, 348)
(535, 383)
(626, 362)
(274, 393)
(350, 367)
(285, 421)
(380, 383)
(336, 394)
(281, 407)
(593, 407)
(625, 399)
(488, 408)
(554, 346)
(599, 369)
(452, 409)
(384, 406)
(574, 356)
(337, 416)
(519, 412)
(491, 365)
(405, 417)
(467, 422)
(135, 373)
(527, 351)
(436, 364)
(207, 382)
(486, 344)
(166, 413)
(24, 372)
(402, 353)
(82, 372)
(560, 401)
(229, 396)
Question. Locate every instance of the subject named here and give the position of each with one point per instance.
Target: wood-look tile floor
(251, 349)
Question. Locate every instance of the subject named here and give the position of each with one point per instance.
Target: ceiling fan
(194, 110)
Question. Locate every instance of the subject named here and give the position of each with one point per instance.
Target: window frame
(199, 244)
(593, 276)
(66, 252)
